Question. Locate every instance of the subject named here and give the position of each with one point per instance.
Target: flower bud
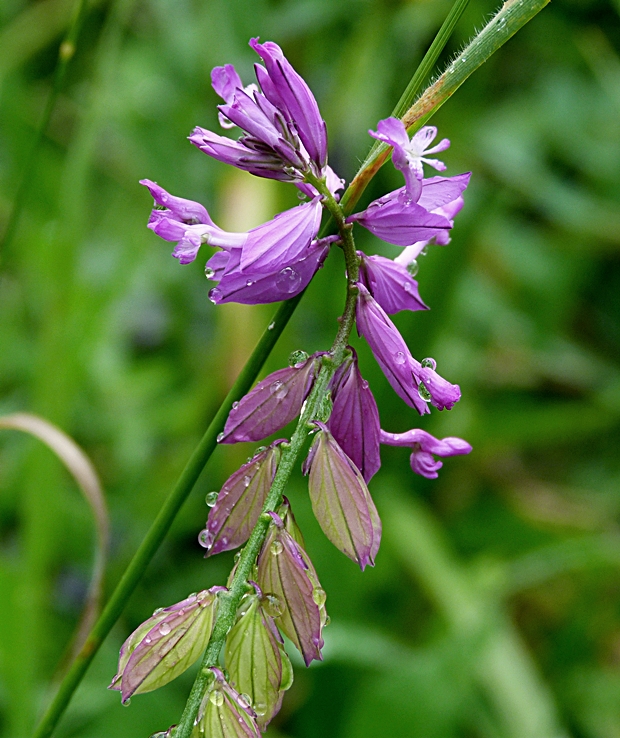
(224, 713)
(272, 404)
(165, 645)
(240, 502)
(341, 501)
(285, 570)
(256, 660)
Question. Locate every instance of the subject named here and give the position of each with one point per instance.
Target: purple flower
(272, 404)
(288, 91)
(389, 349)
(285, 570)
(239, 503)
(166, 644)
(423, 446)
(284, 134)
(408, 155)
(417, 383)
(188, 223)
(224, 713)
(354, 421)
(390, 284)
(341, 501)
(255, 657)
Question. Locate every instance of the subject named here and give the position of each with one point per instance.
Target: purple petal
(354, 422)
(240, 502)
(187, 211)
(272, 404)
(399, 221)
(389, 349)
(332, 180)
(229, 717)
(288, 89)
(282, 240)
(225, 81)
(282, 284)
(341, 501)
(440, 191)
(444, 395)
(391, 131)
(390, 284)
(423, 447)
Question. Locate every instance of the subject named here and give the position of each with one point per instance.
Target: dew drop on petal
(147, 639)
(220, 437)
(429, 363)
(288, 280)
(424, 393)
(413, 267)
(216, 698)
(235, 405)
(276, 548)
(273, 605)
(248, 282)
(297, 357)
(209, 273)
(259, 450)
(246, 481)
(159, 609)
(211, 498)
(400, 357)
(319, 596)
(204, 538)
(244, 701)
(214, 295)
(127, 702)
(327, 620)
(260, 708)
(164, 629)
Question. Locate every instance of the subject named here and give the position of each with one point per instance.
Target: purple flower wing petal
(272, 404)
(439, 191)
(225, 81)
(389, 349)
(390, 284)
(184, 210)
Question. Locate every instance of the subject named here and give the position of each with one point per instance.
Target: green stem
(230, 601)
(66, 52)
(163, 521)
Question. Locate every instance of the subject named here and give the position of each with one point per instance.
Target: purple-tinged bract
(272, 404)
(354, 421)
(390, 284)
(166, 644)
(341, 501)
(224, 713)
(240, 502)
(423, 446)
(285, 570)
(256, 660)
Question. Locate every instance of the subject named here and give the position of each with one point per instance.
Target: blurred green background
(494, 607)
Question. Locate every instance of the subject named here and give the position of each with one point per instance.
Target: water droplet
(276, 548)
(244, 701)
(429, 363)
(211, 498)
(126, 702)
(279, 390)
(319, 596)
(297, 357)
(364, 384)
(259, 450)
(260, 708)
(327, 620)
(205, 598)
(399, 357)
(237, 556)
(413, 267)
(220, 437)
(248, 282)
(204, 538)
(164, 629)
(288, 280)
(216, 698)
(301, 195)
(271, 326)
(246, 481)
(214, 295)
(424, 251)
(235, 405)
(147, 639)
(424, 393)
(273, 605)
(209, 273)
(159, 609)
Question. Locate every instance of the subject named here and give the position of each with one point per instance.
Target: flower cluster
(283, 136)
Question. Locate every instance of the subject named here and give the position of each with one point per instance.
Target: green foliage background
(494, 608)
